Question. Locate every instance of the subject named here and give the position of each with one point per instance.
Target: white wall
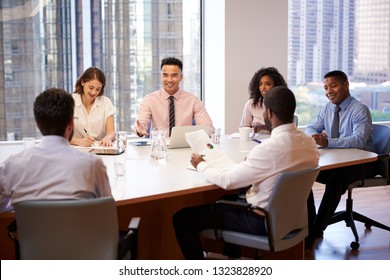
(240, 37)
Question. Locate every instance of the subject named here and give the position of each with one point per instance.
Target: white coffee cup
(244, 133)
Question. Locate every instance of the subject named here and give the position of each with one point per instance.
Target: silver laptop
(178, 138)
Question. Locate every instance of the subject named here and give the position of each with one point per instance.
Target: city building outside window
(50, 43)
(350, 35)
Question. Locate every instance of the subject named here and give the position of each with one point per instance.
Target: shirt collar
(78, 102)
(50, 140)
(343, 105)
(282, 128)
(166, 95)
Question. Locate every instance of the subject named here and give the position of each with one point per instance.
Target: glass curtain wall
(348, 35)
(49, 43)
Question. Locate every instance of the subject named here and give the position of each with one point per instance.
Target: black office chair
(73, 229)
(285, 214)
(381, 140)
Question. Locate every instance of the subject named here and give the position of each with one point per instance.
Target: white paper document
(200, 143)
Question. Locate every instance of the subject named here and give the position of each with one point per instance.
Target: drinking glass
(120, 165)
(216, 135)
(158, 148)
(28, 142)
(122, 139)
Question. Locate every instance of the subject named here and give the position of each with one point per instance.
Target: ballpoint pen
(256, 140)
(86, 132)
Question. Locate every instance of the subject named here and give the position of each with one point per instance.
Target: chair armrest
(13, 235)
(134, 223)
(237, 204)
(244, 205)
(384, 166)
(128, 245)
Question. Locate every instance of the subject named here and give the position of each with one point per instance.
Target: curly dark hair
(90, 74)
(254, 92)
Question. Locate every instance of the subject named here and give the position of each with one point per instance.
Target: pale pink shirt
(252, 115)
(288, 149)
(94, 122)
(154, 110)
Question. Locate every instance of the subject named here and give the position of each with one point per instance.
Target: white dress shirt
(288, 149)
(52, 170)
(93, 122)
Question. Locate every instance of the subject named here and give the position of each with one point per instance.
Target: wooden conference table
(154, 191)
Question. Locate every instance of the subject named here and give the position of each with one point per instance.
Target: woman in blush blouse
(262, 81)
(93, 112)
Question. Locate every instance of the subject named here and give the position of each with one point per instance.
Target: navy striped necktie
(171, 114)
(334, 133)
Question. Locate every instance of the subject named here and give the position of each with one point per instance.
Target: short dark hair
(90, 74)
(281, 101)
(172, 61)
(53, 110)
(254, 92)
(339, 75)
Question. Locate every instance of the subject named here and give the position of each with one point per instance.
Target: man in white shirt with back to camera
(54, 169)
(288, 149)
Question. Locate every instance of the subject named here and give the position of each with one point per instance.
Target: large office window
(348, 35)
(50, 43)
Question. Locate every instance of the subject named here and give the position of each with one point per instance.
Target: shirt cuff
(331, 143)
(201, 166)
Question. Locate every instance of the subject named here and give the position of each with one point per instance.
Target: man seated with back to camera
(53, 169)
(354, 131)
(288, 149)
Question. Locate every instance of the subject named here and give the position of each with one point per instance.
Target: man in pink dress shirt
(154, 108)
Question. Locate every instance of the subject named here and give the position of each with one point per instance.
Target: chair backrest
(68, 229)
(287, 206)
(381, 139)
(295, 120)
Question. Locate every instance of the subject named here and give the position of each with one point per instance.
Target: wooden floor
(374, 243)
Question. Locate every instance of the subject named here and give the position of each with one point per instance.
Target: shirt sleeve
(109, 107)
(361, 131)
(317, 125)
(5, 201)
(247, 117)
(200, 114)
(144, 112)
(254, 169)
(102, 183)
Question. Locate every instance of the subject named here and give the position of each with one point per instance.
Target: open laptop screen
(178, 139)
